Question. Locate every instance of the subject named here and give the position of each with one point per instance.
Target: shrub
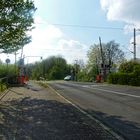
(128, 67)
(129, 74)
(124, 79)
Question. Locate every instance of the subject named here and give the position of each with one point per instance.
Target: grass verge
(43, 84)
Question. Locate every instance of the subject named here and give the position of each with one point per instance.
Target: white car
(67, 78)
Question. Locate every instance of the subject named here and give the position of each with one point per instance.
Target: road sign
(7, 60)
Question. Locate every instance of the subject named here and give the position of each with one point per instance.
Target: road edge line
(89, 116)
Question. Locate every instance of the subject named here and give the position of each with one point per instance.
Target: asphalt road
(118, 107)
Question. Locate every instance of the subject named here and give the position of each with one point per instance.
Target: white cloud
(126, 11)
(129, 28)
(73, 50)
(49, 40)
(122, 10)
(39, 20)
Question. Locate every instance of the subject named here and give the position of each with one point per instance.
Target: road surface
(118, 107)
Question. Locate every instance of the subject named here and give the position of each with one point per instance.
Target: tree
(52, 68)
(94, 56)
(56, 73)
(111, 54)
(16, 19)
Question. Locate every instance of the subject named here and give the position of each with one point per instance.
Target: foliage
(137, 70)
(52, 68)
(83, 76)
(128, 67)
(2, 87)
(124, 79)
(112, 55)
(35, 71)
(16, 18)
(94, 56)
(6, 70)
(56, 73)
(129, 74)
(42, 83)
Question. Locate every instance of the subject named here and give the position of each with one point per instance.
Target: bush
(124, 79)
(129, 74)
(128, 67)
(82, 76)
(2, 87)
(7, 71)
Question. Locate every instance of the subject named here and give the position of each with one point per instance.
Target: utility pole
(97, 66)
(134, 44)
(101, 49)
(16, 62)
(76, 70)
(102, 56)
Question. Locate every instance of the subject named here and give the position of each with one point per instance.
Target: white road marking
(86, 86)
(93, 86)
(116, 92)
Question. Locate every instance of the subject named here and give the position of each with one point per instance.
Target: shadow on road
(129, 129)
(36, 119)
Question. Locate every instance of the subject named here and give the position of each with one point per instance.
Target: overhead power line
(85, 26)
(90, 27)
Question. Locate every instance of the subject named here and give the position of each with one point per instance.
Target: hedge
(124, 79)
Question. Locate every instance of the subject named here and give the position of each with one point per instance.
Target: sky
(68, 28)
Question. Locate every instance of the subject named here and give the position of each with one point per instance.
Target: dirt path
(37, 113)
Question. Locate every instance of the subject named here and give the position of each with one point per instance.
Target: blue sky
(72, 43)
(80, 12)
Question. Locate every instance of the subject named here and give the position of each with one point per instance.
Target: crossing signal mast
(134, 43)
(103, 62)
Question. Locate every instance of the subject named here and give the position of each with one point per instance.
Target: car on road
(67, 78)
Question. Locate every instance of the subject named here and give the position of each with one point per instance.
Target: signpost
(7, 62)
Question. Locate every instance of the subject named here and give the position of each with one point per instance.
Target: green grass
(2, 87)
(43, 84)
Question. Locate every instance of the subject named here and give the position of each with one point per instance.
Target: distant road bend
(118, 107)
